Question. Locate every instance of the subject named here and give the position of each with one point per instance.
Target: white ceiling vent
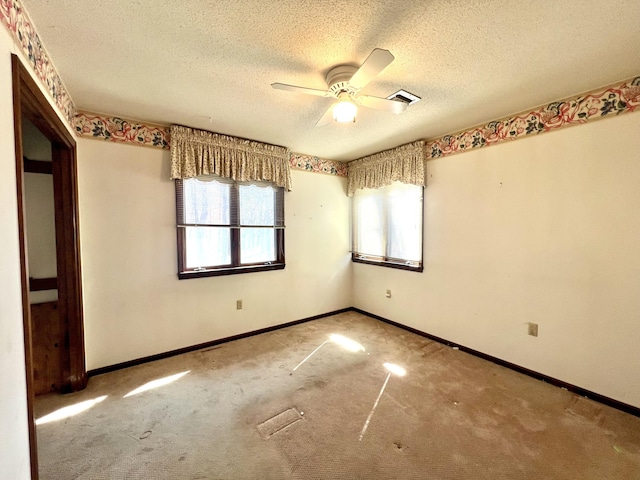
(404, 96)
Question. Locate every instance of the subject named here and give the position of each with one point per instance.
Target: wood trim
(68, 261)
(280, 247)
(64, 168)
(229, 271)
(29, 102)
(234, 236)
(385, 263)
(64, 309)
(625, 407)
(16, 69)
(40, 284)
(37, 166)
(200, 346)
(39, 111)
(539, 376)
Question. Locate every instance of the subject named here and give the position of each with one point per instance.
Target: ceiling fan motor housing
(344, 84)
(338, 79)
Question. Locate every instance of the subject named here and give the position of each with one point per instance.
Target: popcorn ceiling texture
(623, 97)
(211, 68)
(18, 23)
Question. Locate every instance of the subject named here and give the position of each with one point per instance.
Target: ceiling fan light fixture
(345, 110)
(345, 83)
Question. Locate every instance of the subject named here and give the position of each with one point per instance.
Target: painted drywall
(41, 239)
(540, 230)
(14, 440)
(40, 211)
(35, 146)
(135, 305)
(40, 231)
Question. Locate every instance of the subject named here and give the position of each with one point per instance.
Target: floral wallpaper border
(614, 100)
(14, 17)
(610, 101)
(116, 129)
(310, 163)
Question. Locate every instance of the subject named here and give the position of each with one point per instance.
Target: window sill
(388, 264)
(229, 271)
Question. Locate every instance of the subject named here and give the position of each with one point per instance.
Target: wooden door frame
(30, 102)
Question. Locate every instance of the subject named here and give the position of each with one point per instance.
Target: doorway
(48, 328)
(31, 107)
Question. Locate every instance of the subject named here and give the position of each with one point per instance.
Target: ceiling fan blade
(326, 118)
(377, 61)
(378, 103)
(308, 91)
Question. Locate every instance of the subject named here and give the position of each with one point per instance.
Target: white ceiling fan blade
(378, 103)
(308, 91)
(326, 118)
(377, 61)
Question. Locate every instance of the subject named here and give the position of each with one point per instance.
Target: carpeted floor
(268, 407)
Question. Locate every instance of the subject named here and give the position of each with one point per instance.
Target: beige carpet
(243, 412)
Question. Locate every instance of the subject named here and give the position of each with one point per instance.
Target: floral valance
(198, 152)
(404, 164)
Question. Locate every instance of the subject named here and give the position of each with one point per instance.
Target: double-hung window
(387, 226)
(227, 227)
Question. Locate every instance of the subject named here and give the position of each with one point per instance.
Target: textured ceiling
(210, 64)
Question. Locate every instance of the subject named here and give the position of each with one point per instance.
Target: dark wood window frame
(386, 262)
(235, 267)
(390, 262)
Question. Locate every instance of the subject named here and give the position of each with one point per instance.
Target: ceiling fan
(345, 83)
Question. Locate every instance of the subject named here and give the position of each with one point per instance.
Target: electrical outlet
(533, 329)
(238, 304)
(388, 293)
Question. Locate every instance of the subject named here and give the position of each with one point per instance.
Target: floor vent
(277, 423)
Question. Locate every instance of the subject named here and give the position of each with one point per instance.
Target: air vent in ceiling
(404, 96)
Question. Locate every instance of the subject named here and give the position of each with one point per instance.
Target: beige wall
(35, 146)
(554, 244)
(41, 231)
(541, 230)
(14, 440)
(135, 305)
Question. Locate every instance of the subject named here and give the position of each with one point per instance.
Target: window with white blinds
(227, 227)
(387, 226)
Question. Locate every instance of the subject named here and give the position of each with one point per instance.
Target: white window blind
(387, 224)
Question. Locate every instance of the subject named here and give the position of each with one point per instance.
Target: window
(387, 226)
(227, 227)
